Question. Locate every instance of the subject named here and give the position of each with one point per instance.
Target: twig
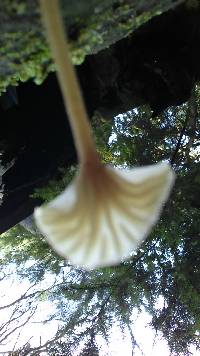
(191, 112)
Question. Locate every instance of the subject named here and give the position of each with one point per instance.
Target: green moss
(192, 4)
(92, 25)
(102, 29)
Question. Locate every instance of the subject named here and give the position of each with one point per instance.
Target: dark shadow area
(157, 65)
(36, 135)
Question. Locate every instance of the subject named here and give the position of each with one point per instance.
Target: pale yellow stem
(68, 81)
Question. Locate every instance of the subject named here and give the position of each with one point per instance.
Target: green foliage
(163, 277)
(90, 349)
(55, 187)
(19, 246)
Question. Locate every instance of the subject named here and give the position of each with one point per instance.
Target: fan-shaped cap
(105, 215)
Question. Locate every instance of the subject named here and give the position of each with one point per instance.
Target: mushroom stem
(72, 96)
(104, 214)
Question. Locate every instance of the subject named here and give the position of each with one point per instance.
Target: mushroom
(105, 213)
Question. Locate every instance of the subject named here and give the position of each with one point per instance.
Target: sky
(118, 344)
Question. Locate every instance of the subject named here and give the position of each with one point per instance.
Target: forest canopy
(166, 266)
(128, 133)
